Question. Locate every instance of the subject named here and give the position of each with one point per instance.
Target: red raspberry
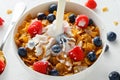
(82, 21)
(1, 21)
(2, 66)
(41, 66)
(91, 4)
(76, 54)
(35, 28)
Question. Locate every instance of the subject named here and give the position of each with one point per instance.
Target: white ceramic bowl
(70, 7)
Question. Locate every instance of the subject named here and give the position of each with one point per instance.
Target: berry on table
(91, 56)
(2, 66)
(51, 17)
(97, 41)
(76, 54)
(114, 75)
(72, 18)
(111, 36)
(91, 4)
(41, 16)
(52, 8)
(106, 48)
(22, 52)
(54, 72)
(56, 49)
(1, 21)
(35, 28)
(82, 21)
(40, 66)
(90, 22)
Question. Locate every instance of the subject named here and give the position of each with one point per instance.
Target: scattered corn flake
(68, 0)
(104, 9)
(9, 11)
(115, 23)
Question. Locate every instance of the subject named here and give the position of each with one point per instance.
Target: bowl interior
(70, 7)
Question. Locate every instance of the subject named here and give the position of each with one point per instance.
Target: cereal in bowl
(77, 48)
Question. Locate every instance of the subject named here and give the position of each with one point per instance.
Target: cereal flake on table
(105, 9)
(68, 0)
(9, 11)
(116, 23)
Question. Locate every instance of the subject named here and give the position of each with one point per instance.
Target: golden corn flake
(9, 11)
(115, 23)
(62, 68)
(2, 58)
(105, 9)
(68, 0)
(98, 51)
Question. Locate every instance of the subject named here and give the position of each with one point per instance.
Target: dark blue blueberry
(51, 17)
(97, 41)
(41, 16)
(106, 48)
(61, 38)
(114, 76)
(56, 48)
(54, 72)
(72, 18)
(91, 56)
(111, 36)
(22, 52)
(90, 22)
(52, 8)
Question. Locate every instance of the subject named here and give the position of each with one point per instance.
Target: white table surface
(110, 61)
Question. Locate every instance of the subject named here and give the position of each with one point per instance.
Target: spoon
(18, 11)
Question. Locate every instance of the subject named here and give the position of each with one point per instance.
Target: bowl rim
(73, 76)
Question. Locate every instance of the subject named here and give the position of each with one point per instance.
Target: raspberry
(76, 54)
(1, 21)
(91, 4)
(82, 21)
(2, 66)
(40, 66)
(35, 28)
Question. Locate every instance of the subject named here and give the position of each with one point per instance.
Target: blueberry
(72, 18)
(114, 76)
(90, 22)
(97, 41)
(106, 48)
(61, 38)
(52, 8)
(111, 36)
(56, 48)
(22, 52)
(51, 17)
(41, 16)
(54, 72)
(91, 56)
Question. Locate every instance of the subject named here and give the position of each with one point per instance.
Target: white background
(110, 60)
